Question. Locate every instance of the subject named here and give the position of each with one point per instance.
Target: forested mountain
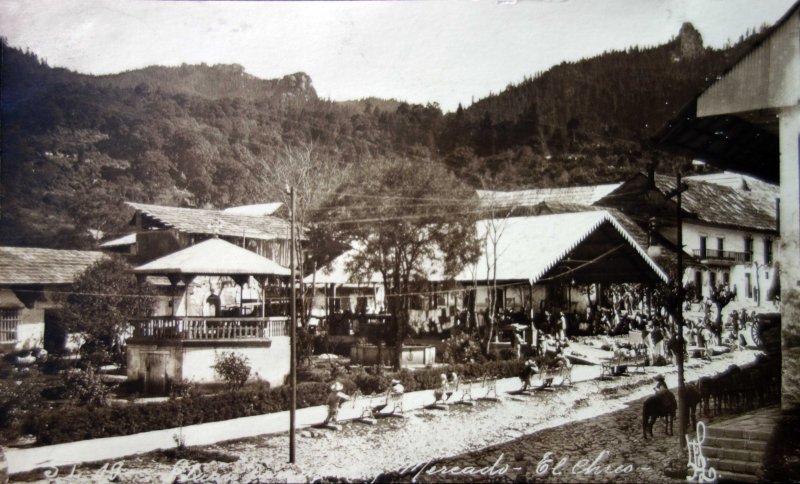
(74, 147)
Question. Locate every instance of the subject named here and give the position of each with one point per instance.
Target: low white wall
(29, 336)
(269, 364)
(194, 363)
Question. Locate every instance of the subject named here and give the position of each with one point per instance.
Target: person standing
(335, 398)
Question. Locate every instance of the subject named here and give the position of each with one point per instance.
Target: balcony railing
(724, 255)
(199, 328)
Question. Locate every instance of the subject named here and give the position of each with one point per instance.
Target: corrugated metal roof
(203, 221)
(259, 209)
(213, 257)
(129, 239)
(525, 198)
(25, 265)
(723, 205)
(530, 246)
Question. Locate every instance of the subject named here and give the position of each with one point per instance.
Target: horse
(662, 404)
(691, 395)
(706, 388)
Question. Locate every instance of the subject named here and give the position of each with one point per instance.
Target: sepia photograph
(505, 241)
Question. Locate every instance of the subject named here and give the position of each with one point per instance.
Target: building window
(748, 249)
(703, 246)
(9, 319)
(726, 279)
(712, 280)
(748, 285)
(768, 252)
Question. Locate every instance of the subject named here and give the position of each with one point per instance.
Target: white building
(730, 229)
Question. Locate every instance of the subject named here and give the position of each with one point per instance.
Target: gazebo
(183, 347)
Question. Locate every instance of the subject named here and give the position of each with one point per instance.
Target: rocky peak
(690, 42)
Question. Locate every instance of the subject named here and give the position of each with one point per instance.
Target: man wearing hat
(660, 383)
(335, 398)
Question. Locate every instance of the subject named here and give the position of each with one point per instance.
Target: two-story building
(729, 228)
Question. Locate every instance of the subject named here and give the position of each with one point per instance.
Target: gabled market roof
(213, 257)
(219, 222)
(532, 248)
(27, 266)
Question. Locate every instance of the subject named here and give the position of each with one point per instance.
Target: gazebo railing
(202, 328)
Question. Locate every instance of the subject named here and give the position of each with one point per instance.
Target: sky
(442, 51)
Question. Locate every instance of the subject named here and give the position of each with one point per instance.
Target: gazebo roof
(213, 257)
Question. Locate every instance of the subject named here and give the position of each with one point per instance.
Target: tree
(406, 220)
(100, 304)
(494, 216)
(314, 178)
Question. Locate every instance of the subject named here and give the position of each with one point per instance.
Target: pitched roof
(213, 257)
(204, 221)
(722, 205)
(586, 195)
(529, 247)
(337, 273)
(25, 265)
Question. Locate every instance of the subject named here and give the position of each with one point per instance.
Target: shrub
(67, 424)
(86, 387)
(370, 384)
(234, 369)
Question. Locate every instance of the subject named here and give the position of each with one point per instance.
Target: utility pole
(292, 338)
(682, 410)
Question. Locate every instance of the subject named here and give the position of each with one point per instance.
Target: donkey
(662, 404)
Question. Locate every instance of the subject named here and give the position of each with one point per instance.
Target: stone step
(734, 443)
(730, 433)
(743, 467)
(727, 476)
(734, 454)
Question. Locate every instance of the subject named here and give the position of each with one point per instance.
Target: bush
(234, 369)
(77, 423)
(462, 348)
(86, 387)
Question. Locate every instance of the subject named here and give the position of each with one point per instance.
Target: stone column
(790, 255)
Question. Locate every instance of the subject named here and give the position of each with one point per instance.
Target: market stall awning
(214, 257)
(584, 247)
